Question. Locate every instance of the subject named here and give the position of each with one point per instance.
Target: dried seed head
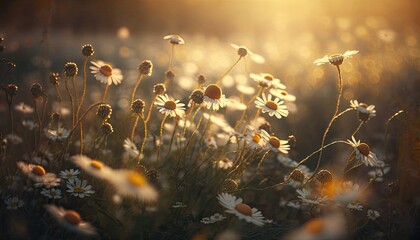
(70, 69)
(55, 118)
(159, 89)
(242, 51)
(11, 90)
(137, 106)
(54, 78)
(197, 96)
(146, 67)
(107, 129)
(153, 175)
(11, 64)
(324, 176)
(201, 79)
(170, 75)
(292, 140)
(37, 90)
(297, 175)
(87, 50)
(363, 116)
(266, 127)
(104, 112)
(229, 185)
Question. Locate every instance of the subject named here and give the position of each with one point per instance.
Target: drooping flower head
(336, 59)
(363, 152)
(364, 111)
(174, 39)
(105, 73)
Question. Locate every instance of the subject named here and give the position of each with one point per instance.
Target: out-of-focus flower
(69, 174)
(274, 107)
(133, 184)
(71, 220)
(308, 198)
(363, 152)
(95, 168)
(214, 98)
(344, 193)
(267, 80)
(277, 145)
(217, 217)
(13, 203)
(23, 108)
(372, 214)
(178, 205)
(105, 73)
(14, 139)
(79, 188)
(174, 39)
(336, 59)
(130, 148)
(52, 193)
(355, 206)
(257, 138)
(58, 135)
(241, 210)
(244, 51)
(283, 94)
(224, 163)
(365, 111)
(170, 107)
(207, 220)
(31, 125)
(38, 174)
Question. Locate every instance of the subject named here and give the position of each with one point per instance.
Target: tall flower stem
(38, 117)
(151, 108)
(84, 87)
(228, 71)
(173, 134)
(171, 57)
(105, 92)
(72, 102)
(58, 92)
(160, 136)
(133, 130)
(187, 115)
(141, 76)
(238, 123)
(340, 92)
(144, 138)
(76, 96)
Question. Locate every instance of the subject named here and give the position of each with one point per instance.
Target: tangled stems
(73, 116)
(340, 92)
(141, 76)
(228, 71)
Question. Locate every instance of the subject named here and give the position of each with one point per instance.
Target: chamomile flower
(179, 205)
(23, 108)
(363, 152)
(105, 73)
(274, 107)
(71, 220)
(344, 193)
(355, 206)
(217, 217)
(277, 145)
(52, 193)
(14, 139)
(169, 107)
(364, 111)
(283, 94)
(38, 174)
(174, 39)
(224, 163)
(244, 51)
(95, 168)
(130, 148)
(13, 203)
(372, 214)
(241, 210)
(207, 220)
(336, 59)
(257, 138)
(79, 188)
(58, 135)
(29, 124)
(69, 174)
(308, 198)
(214, 98)
(133, 184)
(267, 80)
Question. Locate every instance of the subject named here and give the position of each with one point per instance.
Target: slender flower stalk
(238, 123)
(144, 139)
(228, 71)
(141, 76)
(105, 93)
(76, 96)
(160, 135)
(151, 108)
(72, 102)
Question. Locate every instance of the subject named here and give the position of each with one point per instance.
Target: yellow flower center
(268, 77)
(256, 138)
(136, 179)
(96, 164)
(244, 209)
(72, 217)
(364, 149)
(315, 225)
(106, 70)
(274, 141)
(78, 190)
(213, 91)
(38, 170)
(284, 93)
(171, 105)
(271, 105)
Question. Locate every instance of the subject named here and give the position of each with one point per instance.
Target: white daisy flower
(214, 98)
(207, 220)
(69, 174)
(335, 59)
(372, 214)
(95, 168)
(217, 217)
(38, 174)
(283, 94)
(174, 39)
(277, 145)
(267, 80)
(13, 203)
(241, 210)
(294, 204)
(52, 193)
(363, 152)
(274, 107)
(29, 124)
(79, 188)
(58, 135)
(244, 51)
(257, 138)
(178, 205)
(308, 198)
(170, 107)
(71, 220)
(224, 163)
(23, 108)
(130, 148)
(347, 192)
(133, 184)
(364, 111)
(14, 139)
(355, 206)
(378, 173)
(105, 73)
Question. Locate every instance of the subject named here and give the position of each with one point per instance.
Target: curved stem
(247, 106)
(76, 96)
(12, 122)
(151, 108)
(160, 136)
(84, 87)
(144, 138)
(57, 90)
(72, 103)
(135, 87)
(39, 124)
(228, 71)
(171, 56)
(262, 159)
(357, 129)
(315, 152)
(133, 130)
(105, 93)
(340, 92)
